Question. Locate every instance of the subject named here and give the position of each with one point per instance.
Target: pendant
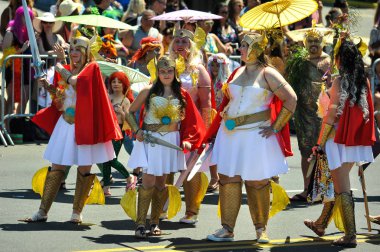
(230, 124)
(165, 120)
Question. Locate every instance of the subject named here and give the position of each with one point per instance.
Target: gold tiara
(183, 33)
(80, 41)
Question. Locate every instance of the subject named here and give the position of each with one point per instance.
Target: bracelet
(67, 80)
(275, 131)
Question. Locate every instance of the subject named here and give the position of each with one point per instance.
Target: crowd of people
(199, 97)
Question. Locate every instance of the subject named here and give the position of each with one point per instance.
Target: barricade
(21, 91)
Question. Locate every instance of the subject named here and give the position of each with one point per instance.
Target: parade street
(107, 228)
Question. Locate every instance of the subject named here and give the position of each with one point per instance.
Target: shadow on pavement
(48, 226)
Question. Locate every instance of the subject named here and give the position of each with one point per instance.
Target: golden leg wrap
(158, 202)
(230, 201)
(52, 184)
(144, 198)
(348, 216)
(259, 204)
(323, 221)
(192, 190)
(82, 190)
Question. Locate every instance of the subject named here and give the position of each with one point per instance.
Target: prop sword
(362, 182)
(149, 138)
(37, 62)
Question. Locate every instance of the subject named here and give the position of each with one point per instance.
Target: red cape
(283, 136)
(352, 129)
(95, 119)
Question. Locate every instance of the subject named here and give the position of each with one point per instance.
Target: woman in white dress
(347, 134)
(195, 80)
(82, 125)
(252, 138)
(170, 115)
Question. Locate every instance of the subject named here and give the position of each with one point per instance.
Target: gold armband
(282, 119)
(131, 120)
(65, 74)
(324, 134)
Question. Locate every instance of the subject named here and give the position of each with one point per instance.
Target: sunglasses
(44, 22)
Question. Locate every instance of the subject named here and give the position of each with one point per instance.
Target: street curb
(356, 4)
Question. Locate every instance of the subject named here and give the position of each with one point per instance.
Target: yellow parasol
(277, 13)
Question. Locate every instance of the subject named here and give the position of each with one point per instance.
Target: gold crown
(313, 33)
(182, 33)
(165, 62)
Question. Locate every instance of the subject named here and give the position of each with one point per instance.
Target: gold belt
(231, 123)
(161, 127)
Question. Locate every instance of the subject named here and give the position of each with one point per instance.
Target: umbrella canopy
(299, 35)
(97, 20)
(137, 79)
(187, 16)
(277, 13)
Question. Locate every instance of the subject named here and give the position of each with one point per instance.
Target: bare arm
(330, 117)
(140, 100)
(204, 88)
(281, 88)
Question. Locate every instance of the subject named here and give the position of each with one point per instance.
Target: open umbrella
(277, 13)
(97, 20)
(137, 79)
(187, 16)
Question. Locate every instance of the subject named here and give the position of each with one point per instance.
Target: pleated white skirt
(62, 148)
(337, 154)
(247, 154)
(158, 160)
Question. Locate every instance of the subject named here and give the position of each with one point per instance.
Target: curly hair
(353, 80)
(157, 89)
(193, 59)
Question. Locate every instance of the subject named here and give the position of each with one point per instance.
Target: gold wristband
(282, 119)
(131, 120)
(324, 134)
(65, 74)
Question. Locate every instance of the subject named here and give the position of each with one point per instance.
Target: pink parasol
(187, 16)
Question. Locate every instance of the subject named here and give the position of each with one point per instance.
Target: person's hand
(316, 148)
(59, 51)
(24, 47)
(118, 109)
(140, 135)
(186, 145)
(42, 82)
(266, 131)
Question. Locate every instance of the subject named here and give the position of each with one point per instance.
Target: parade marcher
(82, 124)
(170, 115)
(347, 134)
(252, 128)
(305, 76)
(121, 97)
(218, 68)
(196, 81)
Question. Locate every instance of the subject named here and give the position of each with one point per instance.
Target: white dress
(158, 160)
(337, 154)
(243, 151)
(62, 148)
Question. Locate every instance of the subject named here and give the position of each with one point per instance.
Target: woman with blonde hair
(196, 81)
(134, 11)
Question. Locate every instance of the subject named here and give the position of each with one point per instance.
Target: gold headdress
(182, 33)
(84, 43)
(313, 33)
(255, 41)
(153, 66)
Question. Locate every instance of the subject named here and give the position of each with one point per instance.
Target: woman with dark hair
(252, 138)
(223, 28)
(170, 115)
(121, 97)
(234, 9)
(347, 134)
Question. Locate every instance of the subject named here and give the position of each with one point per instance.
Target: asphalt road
(107, 228)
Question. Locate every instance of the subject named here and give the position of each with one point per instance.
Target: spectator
(332, 16)
(175, 5)
(159, 7)
(131, 39)
(167, 38)
(342, 4)
(133, 14)
(226, 32)
(234, 9)
(9, 13)
(250, 4)
(68, 8)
